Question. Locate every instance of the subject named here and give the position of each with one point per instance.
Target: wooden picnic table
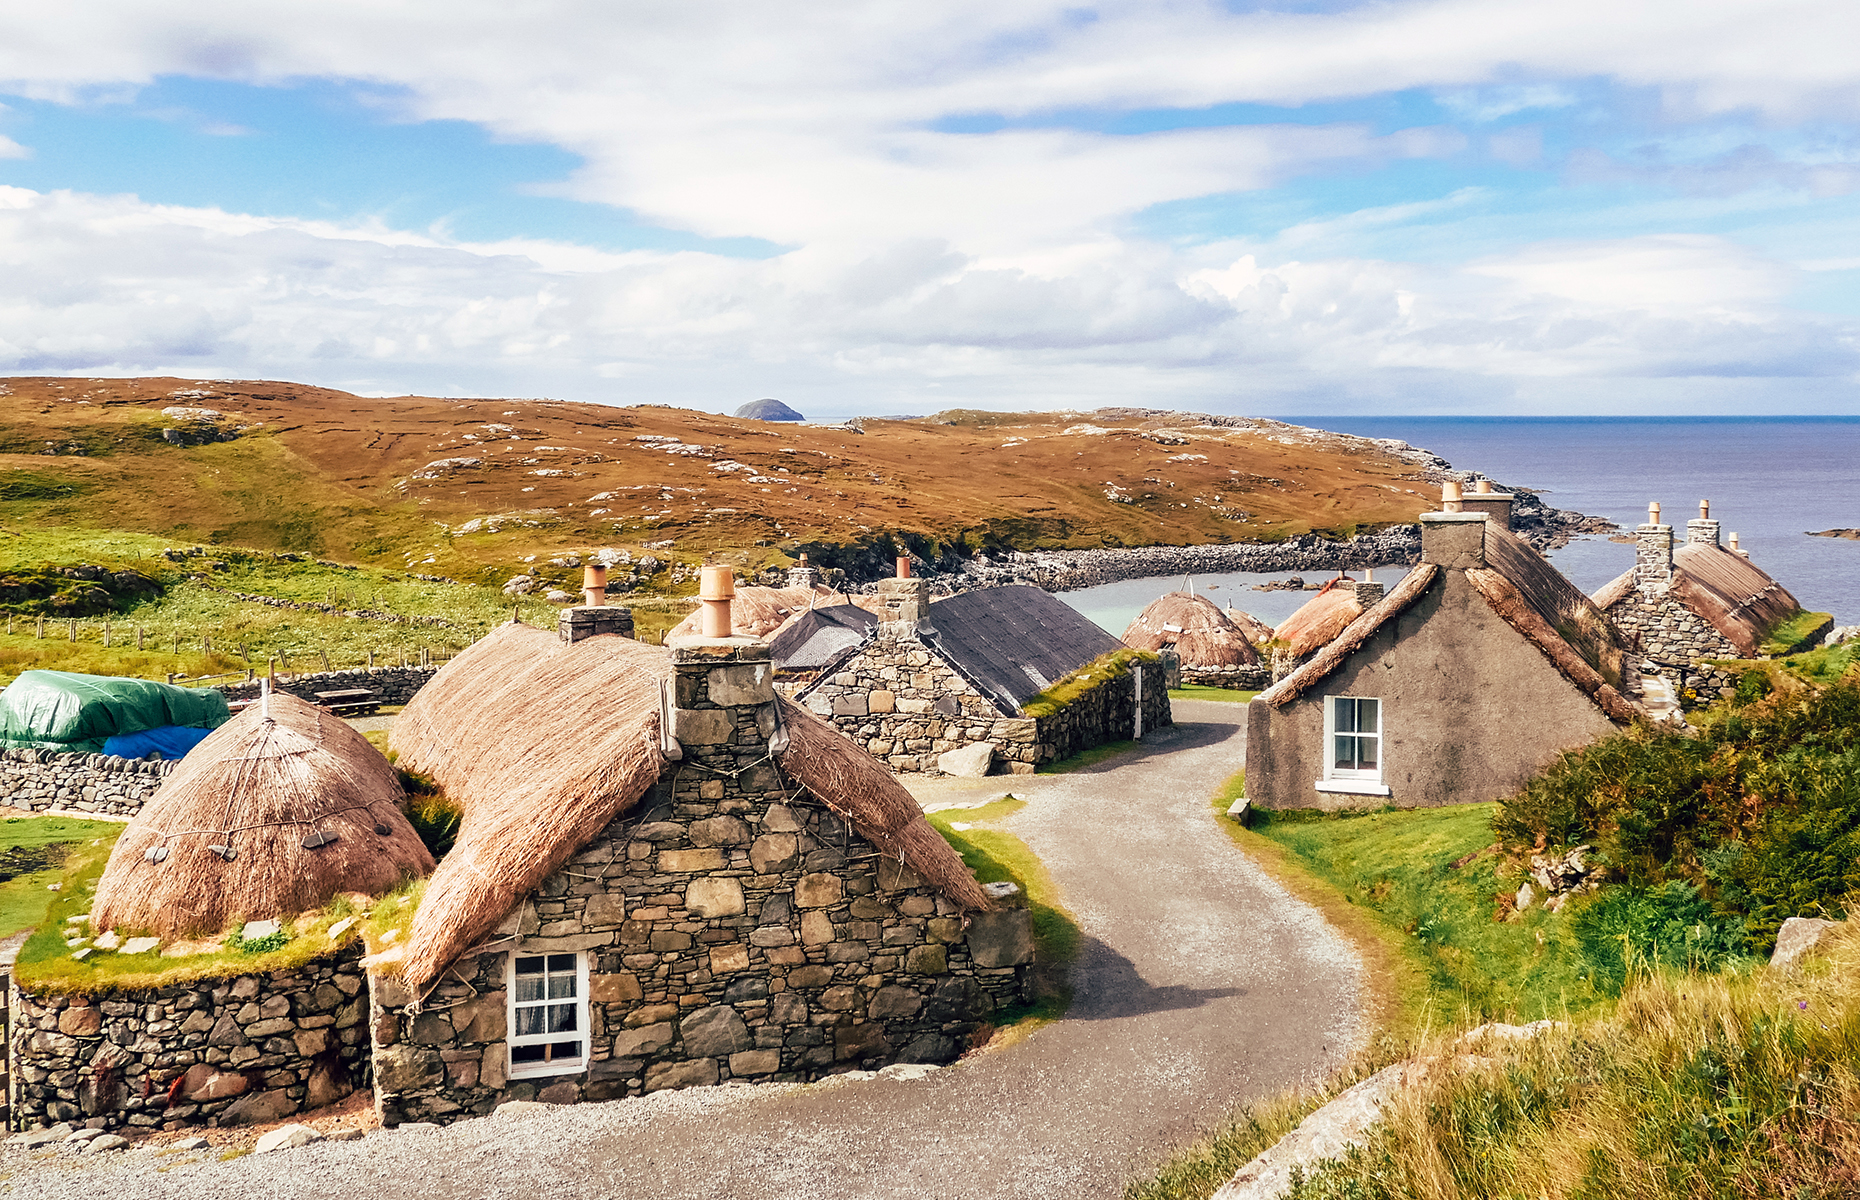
(350, 702)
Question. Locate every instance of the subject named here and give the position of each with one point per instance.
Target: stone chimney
(1702, 528)
(1368, 591)
(803, 574)
(1653, 553)
(1735, 550)
(1453, 537)
(1495, 505)
(593, 616)
(722, 696)
(906, 597)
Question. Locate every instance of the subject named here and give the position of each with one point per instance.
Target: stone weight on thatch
(243, 828)
(1195, 628)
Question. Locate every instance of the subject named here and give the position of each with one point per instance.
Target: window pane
(1366, 752)
(529, 987)
(561, 987)
(1345, 716)
(530, 966)
(1345, 756)
(522, 1054)
(564, 1050)
(561, 962)
(561, 1018)
(1369, 716)
(530, 1021)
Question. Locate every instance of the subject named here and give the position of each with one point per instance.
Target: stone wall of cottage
(231, 1051)
(1667, 631)
(907, 706)
(737, 929)
(88, 783)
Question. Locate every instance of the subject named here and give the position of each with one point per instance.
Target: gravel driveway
(1201, 985)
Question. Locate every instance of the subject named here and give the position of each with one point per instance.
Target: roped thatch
(265, 788)
(1322, 618)
(543, 744)
(1251, 627)
(1729, 592)
(1195, 627)
(760, 611)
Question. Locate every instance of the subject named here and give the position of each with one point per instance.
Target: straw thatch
(1729, 592)
(275, 775)
(1195, 628)
(1322, 618)
(1251, 627)
(543, 744)
(760, 611)
(1412, 587)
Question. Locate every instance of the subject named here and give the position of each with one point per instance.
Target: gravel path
(1201, 985)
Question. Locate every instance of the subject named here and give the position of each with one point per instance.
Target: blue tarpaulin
(170, 741)
(60, 710)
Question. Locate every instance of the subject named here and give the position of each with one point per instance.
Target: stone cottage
(667, 876)
(932, 679)
(1456, 687)
(1683, 607)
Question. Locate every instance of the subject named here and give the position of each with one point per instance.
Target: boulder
(1327, 1133)
(259, 1108)
(970, 762)
(286, 1137)
(108, 1141)
(1796, 938)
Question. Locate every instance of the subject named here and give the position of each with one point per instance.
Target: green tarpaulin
(58, 710)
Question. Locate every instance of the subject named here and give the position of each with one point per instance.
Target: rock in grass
(1796, 938)
(286, 1137)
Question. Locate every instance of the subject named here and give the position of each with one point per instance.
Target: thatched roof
(1195, 627)
(277, 775)
(1529, 594)
(1322, 618)
(1727, 591)
(1251, 627)
(760, 611)
(542, 744)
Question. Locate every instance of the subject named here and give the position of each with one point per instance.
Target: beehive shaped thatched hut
(1195, 628)
(276, 812)
(1251, 627)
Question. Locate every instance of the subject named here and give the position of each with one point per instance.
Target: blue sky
(1451, 206)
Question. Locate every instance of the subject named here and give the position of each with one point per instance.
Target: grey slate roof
(1012, 642)
(820, 636)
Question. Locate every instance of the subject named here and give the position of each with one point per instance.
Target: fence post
(138, 637)
(74, 629)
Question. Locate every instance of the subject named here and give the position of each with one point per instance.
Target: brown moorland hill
(464, 484)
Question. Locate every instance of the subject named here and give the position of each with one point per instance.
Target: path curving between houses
(1201, 985)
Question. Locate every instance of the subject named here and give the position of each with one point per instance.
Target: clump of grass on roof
(1791, 633)
(1094, 674)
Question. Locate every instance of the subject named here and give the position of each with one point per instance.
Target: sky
(1313, 207)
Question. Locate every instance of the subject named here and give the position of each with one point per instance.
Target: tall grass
(1734, 1085)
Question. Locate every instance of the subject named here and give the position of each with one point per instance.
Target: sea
(1770, 479)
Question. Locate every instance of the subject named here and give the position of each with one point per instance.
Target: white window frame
(1353, 781)
(551, 1066)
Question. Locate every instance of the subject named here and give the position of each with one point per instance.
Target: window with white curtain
(548, 1014)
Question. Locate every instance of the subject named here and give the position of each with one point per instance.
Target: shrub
(1628, 929)
(435, 818)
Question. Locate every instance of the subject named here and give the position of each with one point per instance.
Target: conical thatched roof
(276, 776)
(1251, 627)
(760, 611)
(543, 744)
(1322, 618)
(1195, 628)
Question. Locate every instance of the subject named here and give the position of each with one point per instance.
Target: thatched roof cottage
(1456, 687)
(1703, 601)
(940, 679)
(1211, 648)
(666, 875)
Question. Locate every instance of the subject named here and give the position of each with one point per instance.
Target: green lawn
(1196, 691)
(25, 896)
(1480, 961)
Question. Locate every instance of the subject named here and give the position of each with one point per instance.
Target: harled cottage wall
(738, 930)
(242, 1050)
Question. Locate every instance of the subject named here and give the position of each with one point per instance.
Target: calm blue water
(1769, 478)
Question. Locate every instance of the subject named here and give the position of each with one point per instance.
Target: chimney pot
(904, 567)
(1483, 487)
(1450, 496)
(594, 584)
(716, 586)
(1653, 513)
(1704, 510)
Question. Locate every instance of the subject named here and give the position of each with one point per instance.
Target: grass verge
(1086, 759)
(996, 855)
(32, 854)
(1196, 691)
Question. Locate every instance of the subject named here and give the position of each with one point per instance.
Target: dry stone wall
(1243, 679)
(395, 685)
(735, 928)
(241, 1050)
(1667, 631)
(106, 784)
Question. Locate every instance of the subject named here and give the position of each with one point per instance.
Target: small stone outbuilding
(1460, 684)
(932, 678)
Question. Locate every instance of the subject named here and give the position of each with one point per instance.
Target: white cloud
(12, 149)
